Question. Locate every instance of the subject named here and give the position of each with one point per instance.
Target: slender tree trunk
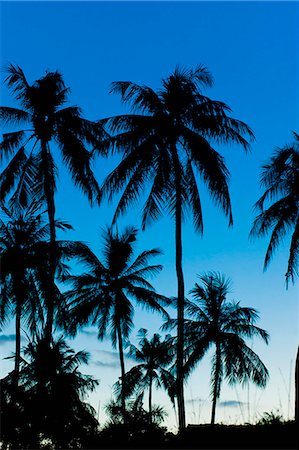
(18, 343)
(150, 400)
(216, 391)
(297, 387)
(20, 300)
(181, 292)
(122, 368)
(180, 314)
(49, 183)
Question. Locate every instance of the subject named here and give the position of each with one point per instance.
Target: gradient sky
(251, 48)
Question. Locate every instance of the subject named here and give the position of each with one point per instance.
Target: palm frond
(18, 84)
(140, 98)
(142, 259)
(211, 166)
(294, 255)
(194, 202)
(11, 173)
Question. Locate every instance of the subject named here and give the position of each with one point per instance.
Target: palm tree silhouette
(35, 169)
(214, 320)
(21, 237)
(104, 295)
(224, 324)
(154, 357)
(280, 178)
(166, 143)
(24, 277)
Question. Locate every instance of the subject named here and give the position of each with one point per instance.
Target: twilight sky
(251, 48)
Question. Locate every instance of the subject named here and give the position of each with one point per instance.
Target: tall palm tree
(154, 357)
(280, 179)
(103, 296)
(47, 122)
(166, 144)
(216, 321)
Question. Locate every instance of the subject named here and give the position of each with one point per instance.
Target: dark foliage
(280, 178)
(48, 405)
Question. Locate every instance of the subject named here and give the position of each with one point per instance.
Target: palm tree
(24, 277)
(166, 143)
(280, 178)
(214, 320)
(33, 164)
(20, 247)
(103, 296)
(154, 357)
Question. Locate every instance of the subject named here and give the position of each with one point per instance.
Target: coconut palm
(154, 357)
(166, 144)
(280, 179)
(103, 296)
(32, 162)
(21, 237)
(216, 321)
(24, 278)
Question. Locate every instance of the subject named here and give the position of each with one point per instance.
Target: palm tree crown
(280, 178)
(48, 121)
(103, 296)
(168, 137)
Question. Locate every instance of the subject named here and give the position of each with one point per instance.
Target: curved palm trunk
(297, 388)
(122, 368)
(49, 183)
(216, 391)
(180, 313)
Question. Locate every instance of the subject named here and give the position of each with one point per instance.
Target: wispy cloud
(108, 359)
(108, 353)
(105, 364)
(113, 355)
(89, 333)
(195, 399)
(232, 403)
(5, 338)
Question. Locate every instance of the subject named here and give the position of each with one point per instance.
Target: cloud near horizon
(195, 399)
(232, 403)
(5, 338)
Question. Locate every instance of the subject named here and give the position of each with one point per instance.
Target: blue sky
(251, 48)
